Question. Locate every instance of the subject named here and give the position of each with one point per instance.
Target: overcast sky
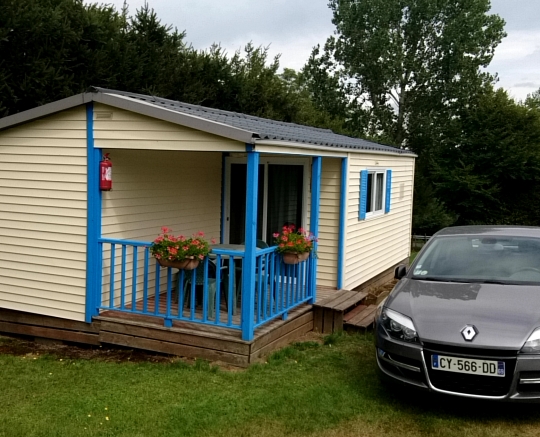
(292, 27)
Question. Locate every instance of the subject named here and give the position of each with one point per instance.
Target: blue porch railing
(212, 294)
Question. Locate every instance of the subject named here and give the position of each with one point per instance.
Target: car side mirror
(400, 271)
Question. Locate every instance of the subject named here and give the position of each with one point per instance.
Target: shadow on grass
(422, 402)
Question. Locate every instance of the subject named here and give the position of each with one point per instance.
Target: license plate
(468, 365)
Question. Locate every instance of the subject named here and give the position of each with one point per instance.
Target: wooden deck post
(248, 268)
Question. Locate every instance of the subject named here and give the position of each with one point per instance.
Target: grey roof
(240, 127)
(263, 128)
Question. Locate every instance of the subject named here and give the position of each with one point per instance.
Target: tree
(533, 100)
(304, 109)
(411, 62)
(322, 79)
(414, 69)
(52, 49)
(148, 53)
(491, 172)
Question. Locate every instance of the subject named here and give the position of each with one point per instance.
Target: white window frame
(374, 193)
(378, 212)
(266, 161)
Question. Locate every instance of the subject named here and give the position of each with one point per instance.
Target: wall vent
(103, 115)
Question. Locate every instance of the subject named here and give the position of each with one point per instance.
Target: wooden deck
(196, 340)
(187, 339)
(202, 341)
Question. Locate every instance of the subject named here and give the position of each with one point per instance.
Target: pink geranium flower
(292, 241)
(177, 248)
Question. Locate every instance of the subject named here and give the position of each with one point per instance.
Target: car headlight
(397, 325)
(532, 345)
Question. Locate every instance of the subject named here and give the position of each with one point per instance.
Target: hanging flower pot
(294, 257)
(184, 264)
(180, 252)
(295, 246)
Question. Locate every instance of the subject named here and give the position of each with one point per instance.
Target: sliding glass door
(236, 219)
(281, 197)
(285, 198)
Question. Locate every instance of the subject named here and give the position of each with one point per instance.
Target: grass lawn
(309, 388)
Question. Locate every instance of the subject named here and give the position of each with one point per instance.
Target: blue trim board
(248, 269)
(316, 172)
(223, 197)
(388, 191)
(363, 195)
(342, 223)
(93, 231)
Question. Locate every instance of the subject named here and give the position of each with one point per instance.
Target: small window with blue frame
(375, 191)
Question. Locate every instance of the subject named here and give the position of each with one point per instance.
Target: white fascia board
(330, 150)
(292, 148)
(44, 110)
(191, 121)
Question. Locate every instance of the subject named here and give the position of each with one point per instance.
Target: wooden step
(352, 313)
(360, 319)
(329, 312)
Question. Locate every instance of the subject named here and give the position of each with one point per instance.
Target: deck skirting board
(22, 317)
(184, 339)
(263, 341)
(52, 333)
(34, 325)
(285, 339)
(173, 348)
(192, 338)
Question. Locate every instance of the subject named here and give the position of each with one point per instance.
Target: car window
(480, 259)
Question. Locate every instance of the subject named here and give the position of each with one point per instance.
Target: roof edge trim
(44, 110)
(336, 149)
(165, 114)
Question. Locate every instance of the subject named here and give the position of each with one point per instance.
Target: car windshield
(505, 260)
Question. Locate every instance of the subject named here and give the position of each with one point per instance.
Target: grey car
(464, 319)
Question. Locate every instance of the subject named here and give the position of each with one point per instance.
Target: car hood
(504, 315)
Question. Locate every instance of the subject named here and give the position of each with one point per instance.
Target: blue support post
(93, 232)
(223, 209)
(316, 170)
(167, 321)
(342, 222)
(248, 268)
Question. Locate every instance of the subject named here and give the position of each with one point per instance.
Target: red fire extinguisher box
(105, 174)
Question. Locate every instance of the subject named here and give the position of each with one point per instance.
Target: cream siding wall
(120, 129)
(155, 184)
(376, 244)
(151, 189)
(43, 216)
(329, 223)
(163, 175)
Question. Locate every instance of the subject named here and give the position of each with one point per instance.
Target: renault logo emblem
(469, 332)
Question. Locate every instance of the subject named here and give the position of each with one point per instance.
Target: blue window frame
(375, 192)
